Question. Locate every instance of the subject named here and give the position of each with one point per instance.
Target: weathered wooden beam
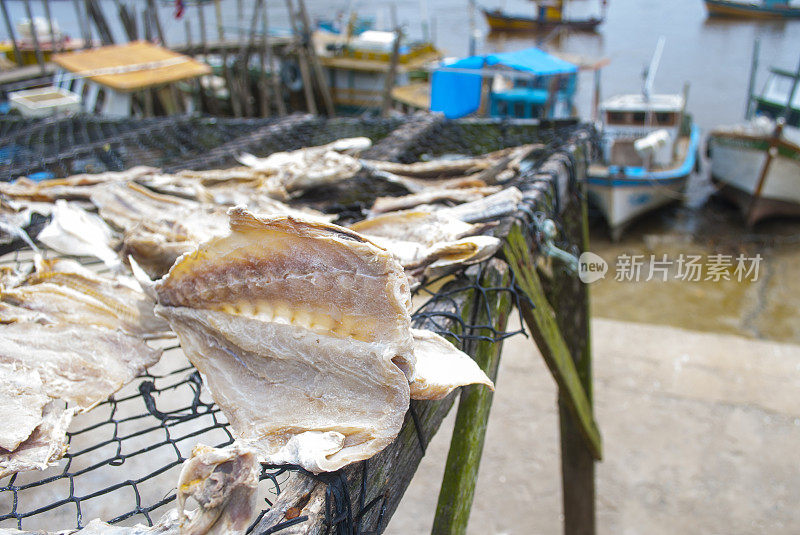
(541, 320)
(466, 446)
(572, 316)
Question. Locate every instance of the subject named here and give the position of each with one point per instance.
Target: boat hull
(728, 8)
(736, 163)
(500, 22)
(625, 193)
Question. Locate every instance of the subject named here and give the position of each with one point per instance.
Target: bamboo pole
(466, 446)
(37, 50)
(263, 90)
(226, 71)
(277, 94)
(386, 103)
(94, 11)
(83, 22)
(49, 15)
(302, 60)
(322, 82)
(11, 34)
(151, 5)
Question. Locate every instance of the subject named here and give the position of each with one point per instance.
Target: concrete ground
(701, 435)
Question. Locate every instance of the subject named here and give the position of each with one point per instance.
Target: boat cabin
(356, 68)
(772, 100)
(630, 118)
(527, 84)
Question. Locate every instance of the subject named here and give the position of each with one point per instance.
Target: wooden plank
(131, 56)
(466, 446)
(541, 320)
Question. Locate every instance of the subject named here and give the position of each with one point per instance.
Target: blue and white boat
(649, 150)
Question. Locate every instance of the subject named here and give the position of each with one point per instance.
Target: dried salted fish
(21, 404)
(302, 331)
(425, 227)
(77, 366)
(500, 204)
(88, 299)
(306, 318)
(223, 482)
(294, 172)
(81, 365)
(76, 232)
(157, 228)
(440, 367)
(428, 242)
(76, 187)
(45, 445)
(457, 195)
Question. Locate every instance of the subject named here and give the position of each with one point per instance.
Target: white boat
(757, 165)
(649, 150)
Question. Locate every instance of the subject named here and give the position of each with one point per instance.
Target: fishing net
(125, 454)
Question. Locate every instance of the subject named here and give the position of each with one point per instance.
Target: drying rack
(125, 454)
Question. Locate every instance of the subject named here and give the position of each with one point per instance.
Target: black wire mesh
(125, 454)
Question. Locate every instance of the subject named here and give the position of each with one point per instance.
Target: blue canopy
(459, 93)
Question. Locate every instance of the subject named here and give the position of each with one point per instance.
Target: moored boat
(549, 15)
(757, 164)
(764, 9)
(499, 21)
(649, 150)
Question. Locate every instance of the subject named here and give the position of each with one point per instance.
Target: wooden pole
(36, 48)
(151, 5)
(226, 71)
(322, 82)
(83, 22)
(263, 90)
(277, 94)
(11, 34)
(302, 60)
(386, 103)
(466, 446)
(49, 15)
(96, 14)
(752, 82)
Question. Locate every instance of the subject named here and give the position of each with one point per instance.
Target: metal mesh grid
(125, 454)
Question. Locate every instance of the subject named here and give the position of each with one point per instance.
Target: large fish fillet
(302, 330)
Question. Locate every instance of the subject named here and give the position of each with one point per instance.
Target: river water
(712, 55)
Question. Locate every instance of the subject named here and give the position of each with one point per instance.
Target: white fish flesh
(302, 330)
(74, 231)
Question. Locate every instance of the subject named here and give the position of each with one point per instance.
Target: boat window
(502, 108)
(665, 118)
(616, 117)
(638, 117)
